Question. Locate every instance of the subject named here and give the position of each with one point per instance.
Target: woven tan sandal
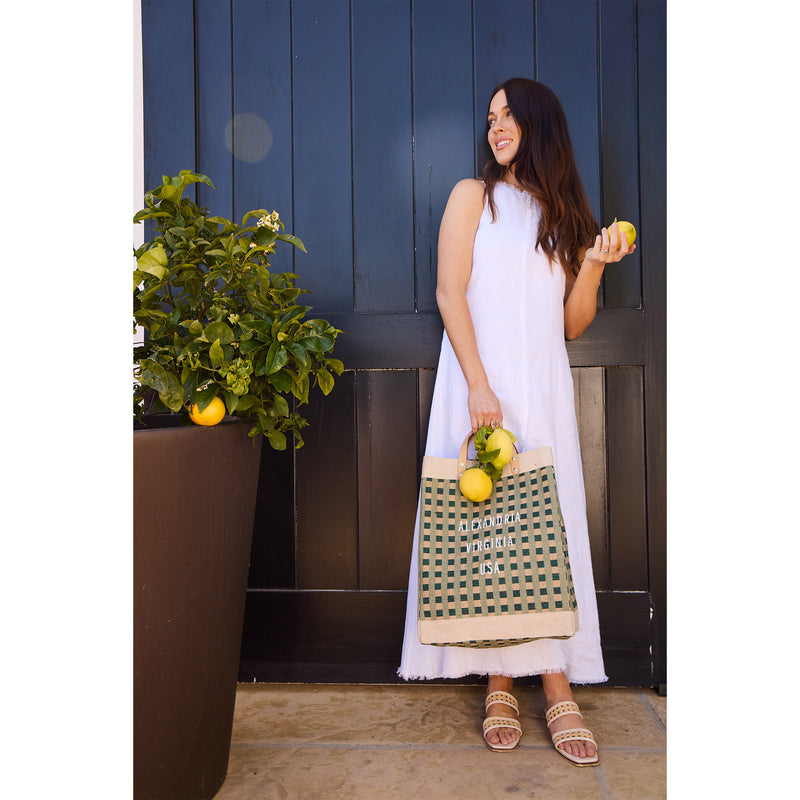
(490, 723)
(570, 734)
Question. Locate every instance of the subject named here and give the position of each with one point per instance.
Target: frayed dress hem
(585, 681)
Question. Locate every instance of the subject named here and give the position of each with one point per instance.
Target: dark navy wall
(354, 120)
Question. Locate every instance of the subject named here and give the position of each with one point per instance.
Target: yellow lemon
(210, 415)
(500, 440)
(627, 229)
(475, 485)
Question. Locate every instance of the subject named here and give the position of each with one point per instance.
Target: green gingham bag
(495, 573)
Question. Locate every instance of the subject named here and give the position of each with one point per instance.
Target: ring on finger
(606, 250)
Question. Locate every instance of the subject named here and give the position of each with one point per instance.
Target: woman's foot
(557, 690)
(504, 737)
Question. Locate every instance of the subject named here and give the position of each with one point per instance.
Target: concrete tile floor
(324, 742)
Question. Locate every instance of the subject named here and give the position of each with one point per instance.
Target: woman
(520, 261)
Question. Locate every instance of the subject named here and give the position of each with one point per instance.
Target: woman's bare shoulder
(469, 189)
(467, 196)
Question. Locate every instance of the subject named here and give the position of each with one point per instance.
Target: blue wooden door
(354, 119)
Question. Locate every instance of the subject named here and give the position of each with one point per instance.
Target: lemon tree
(220, 325)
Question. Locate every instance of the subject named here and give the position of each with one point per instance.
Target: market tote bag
(495, 573)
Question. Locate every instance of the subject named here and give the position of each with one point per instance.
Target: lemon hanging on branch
(210, 415)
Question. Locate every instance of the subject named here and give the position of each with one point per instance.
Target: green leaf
(219, 221)
(246, 403)
(300, 387)
(149, 213)
(173, 187)
(189, 379)
(153, 262)
(216, 353)
(481, 436)
(293, 313)
(320, 326)
(264, 237)
(281, 406)
(299, 352)
(231, 401)
(485, 457)
(254, 212)
(317, 344)
(164, 382)
(256, 325)
(261, 365)
(282, 380)
(249, 346)
(292, 239)
(204, 396)
(325, 381)
(220, 331)
(335, 365)
(276, 358)
(156, 256)
(276, 439)
(493, 472)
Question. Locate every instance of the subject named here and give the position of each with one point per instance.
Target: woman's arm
(580, 303)
(456, 239)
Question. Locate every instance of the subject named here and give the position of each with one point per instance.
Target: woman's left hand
(610, 245)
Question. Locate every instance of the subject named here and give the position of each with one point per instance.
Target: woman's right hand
(484, 408)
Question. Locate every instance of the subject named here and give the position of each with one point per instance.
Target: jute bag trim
(435, 467)
(552, 625)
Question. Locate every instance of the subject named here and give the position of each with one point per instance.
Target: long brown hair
(544, 165)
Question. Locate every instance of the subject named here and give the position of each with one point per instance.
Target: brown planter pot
(194, 501)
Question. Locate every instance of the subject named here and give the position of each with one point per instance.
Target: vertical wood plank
(566, 61)
(325, 479)
(590, 411)
(426, 382)
(272, 556)
(504, 47)
(620, 146)
(383, 226)
(652, 101)
(323, 205)
(443, 125)
(214, 105)
(168, 86)
(387, 476)
(260, 133)
(627, 516)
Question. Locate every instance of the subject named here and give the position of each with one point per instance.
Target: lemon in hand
(210, 415)
(627, 229)
(475, 485)
(502, 441)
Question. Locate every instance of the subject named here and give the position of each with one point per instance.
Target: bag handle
(463, 461)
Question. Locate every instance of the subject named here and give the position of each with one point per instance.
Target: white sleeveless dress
(517, 304)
